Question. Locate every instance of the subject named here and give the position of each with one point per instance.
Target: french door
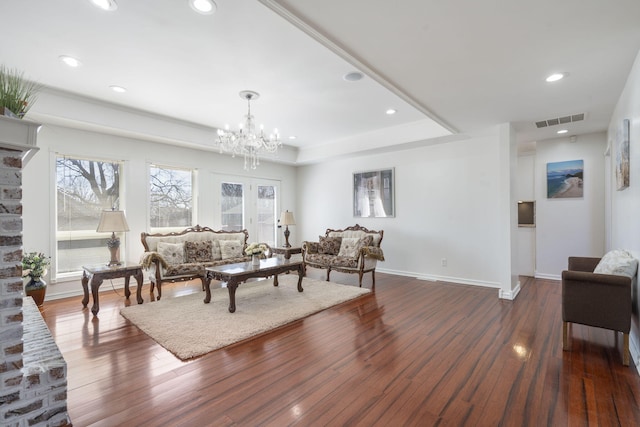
(249, 203)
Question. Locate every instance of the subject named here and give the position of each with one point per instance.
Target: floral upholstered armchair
(352, 250)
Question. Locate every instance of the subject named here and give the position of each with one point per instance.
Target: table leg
(232, 285)
(275, 280)
(139, 278)
(85, 288)
(96, 281)
(206, 281)
(300, 276)
(127, 292)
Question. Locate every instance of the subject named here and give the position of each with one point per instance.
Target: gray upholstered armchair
(600, 300)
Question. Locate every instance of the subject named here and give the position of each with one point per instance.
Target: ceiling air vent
(560, 120)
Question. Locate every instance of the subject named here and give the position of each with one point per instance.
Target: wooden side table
(287, 251)
(97, 273)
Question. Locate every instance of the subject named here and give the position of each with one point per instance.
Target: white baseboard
(634, 349)
(510, 295)
(59, 291)
(437, 278)
(547, 276)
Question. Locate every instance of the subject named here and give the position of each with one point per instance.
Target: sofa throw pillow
(329, 245)
(173, 253)
(348, 247)
(198, 251)
(216, 255)
(351, 248)
(230, 249)
(365, 241)
(618, 262)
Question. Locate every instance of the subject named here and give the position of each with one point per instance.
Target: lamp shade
(286, 218)
(112, 221)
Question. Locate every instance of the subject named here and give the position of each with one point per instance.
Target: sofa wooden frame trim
(194, 229)
(360, 270)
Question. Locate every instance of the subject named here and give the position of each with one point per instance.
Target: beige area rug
(188, 327)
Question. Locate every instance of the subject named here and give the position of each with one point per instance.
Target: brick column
(33, 384)
(10, 281)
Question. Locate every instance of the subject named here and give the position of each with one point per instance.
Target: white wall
(569, 226)
(449, 204)
(623, 225)
(39, 185)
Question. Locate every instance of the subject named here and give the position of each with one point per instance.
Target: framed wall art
(373, 194)
(622, 156)
(565, 179)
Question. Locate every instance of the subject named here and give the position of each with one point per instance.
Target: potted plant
(17, 94)
(34, 266)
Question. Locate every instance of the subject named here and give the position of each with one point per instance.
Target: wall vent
(560, 120)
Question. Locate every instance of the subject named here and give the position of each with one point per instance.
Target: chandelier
(247, 141)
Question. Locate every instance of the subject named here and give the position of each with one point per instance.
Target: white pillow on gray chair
(618, 262)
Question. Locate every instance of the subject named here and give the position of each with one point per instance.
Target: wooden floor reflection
(411, 353)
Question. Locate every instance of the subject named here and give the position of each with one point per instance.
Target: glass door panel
(232, 206)
(266, 214)
(249, 203)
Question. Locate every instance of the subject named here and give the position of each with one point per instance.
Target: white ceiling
(447, 66)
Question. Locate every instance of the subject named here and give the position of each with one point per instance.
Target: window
(84, 188)
(171, 196)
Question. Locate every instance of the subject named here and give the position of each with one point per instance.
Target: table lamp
(287, 219)
(115, 222)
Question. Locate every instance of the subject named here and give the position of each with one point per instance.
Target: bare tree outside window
(170, 197)
(84, 188)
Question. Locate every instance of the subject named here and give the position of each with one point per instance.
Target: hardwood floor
(411, 353)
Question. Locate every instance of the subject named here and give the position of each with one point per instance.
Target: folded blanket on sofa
(373, 252)
(148, 258)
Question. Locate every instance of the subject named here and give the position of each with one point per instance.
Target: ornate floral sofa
(352, 250)
(173, 257)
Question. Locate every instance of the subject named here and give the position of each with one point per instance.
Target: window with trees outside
(171, 197)
(84, 188)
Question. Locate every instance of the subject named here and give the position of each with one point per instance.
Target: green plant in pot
(17, 94)
(34, 266)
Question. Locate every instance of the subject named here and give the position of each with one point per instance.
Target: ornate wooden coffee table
(234, 274)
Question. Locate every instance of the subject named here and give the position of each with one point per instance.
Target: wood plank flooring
(413, 353)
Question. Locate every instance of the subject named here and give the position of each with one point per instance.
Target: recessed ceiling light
(354, 76)
(555, 77)
(70, 61)
(118, 89)
(561, 131)
(292, 137)
(391, 111)
(109, 5)
(204, 7)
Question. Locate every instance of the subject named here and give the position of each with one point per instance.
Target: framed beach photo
(373, 194)
(565, 179)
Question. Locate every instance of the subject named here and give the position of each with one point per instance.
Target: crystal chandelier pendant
(247, 141)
